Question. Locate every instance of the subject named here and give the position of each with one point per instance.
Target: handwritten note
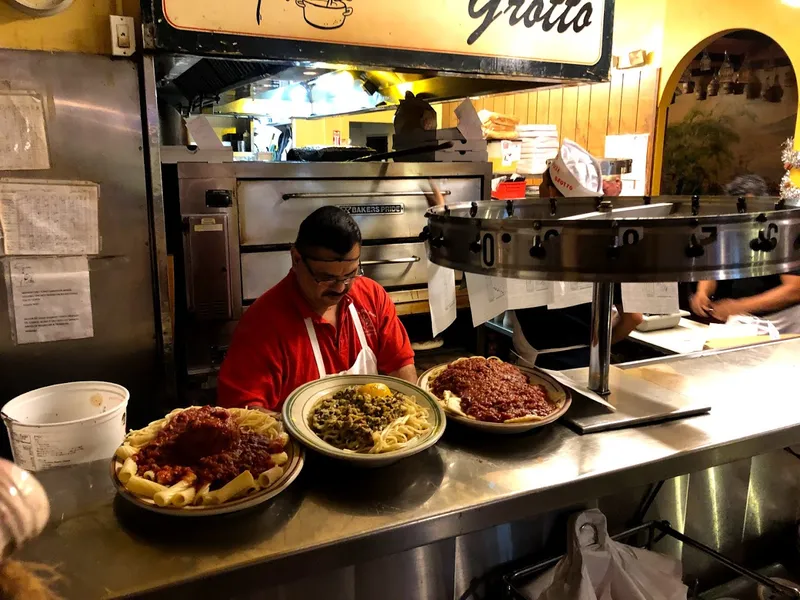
(650, 298)
(441, 297)
(50, 299)
(23, 144)
(491, 296)
(46, 218)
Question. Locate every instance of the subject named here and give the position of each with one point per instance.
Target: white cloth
(366, 361)
(575, 172)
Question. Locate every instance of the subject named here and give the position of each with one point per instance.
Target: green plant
(695, 151)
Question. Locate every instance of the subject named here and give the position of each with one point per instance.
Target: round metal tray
(624, 239)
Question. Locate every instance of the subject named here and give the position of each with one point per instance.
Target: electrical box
(123, 39)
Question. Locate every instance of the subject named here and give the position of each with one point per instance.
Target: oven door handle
(391, 261)
(338, 195)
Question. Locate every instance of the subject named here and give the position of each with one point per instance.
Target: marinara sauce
(492, 391)
(208, 444)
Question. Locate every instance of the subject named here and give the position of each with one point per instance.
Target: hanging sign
(556, 31)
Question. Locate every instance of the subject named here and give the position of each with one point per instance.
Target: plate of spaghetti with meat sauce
(203, 461)
(495, 396)
(367, 420)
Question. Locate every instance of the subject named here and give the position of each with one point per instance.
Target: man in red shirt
(323, 318)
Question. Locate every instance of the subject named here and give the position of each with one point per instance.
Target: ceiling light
(309, 73)
(792, 3)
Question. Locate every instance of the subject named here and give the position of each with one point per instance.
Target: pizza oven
(238, 221)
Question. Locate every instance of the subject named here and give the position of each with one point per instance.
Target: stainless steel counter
(335, 516)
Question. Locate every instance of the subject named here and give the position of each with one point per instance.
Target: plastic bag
(598, 568)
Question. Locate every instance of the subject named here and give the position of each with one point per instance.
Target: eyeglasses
(330, 279)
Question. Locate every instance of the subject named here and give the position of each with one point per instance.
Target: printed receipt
(46, 218)
(441, 297)
(23, 145)
(50, 299)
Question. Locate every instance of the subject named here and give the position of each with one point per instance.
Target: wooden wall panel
(630, 102)
(582, 118)
(543, 108)
(556, 107)
(509, 109)
(521, 107)
(646, 112)
(569, 113)
(614, 105)
(598, 118)
(533, 101)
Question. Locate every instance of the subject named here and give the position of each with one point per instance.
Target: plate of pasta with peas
(366, 420)
(206, 460)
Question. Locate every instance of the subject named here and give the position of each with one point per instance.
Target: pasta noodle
(267, 478)
(370, 419)
(180, 479)
(164, 497)
(125, 451)
(144, 487)
(128, 470)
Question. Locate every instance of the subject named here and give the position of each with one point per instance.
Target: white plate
(290, 473)
(554, 390)
(300, 403)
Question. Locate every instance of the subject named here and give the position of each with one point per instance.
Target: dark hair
(747, 185)
(328, 227)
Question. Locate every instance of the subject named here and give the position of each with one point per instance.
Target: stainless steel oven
(238, 221)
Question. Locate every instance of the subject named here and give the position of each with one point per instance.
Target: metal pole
(600, 349)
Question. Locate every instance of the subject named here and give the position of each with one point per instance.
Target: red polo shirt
(270, 354)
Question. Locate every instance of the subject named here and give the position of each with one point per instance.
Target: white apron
(366, 361)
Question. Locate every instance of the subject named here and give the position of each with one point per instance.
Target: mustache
(333, 294)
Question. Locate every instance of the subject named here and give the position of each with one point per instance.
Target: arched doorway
(734, 105)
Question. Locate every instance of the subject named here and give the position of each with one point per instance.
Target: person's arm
(626, 323)
(701, 300)
(250, 377)
(785, 295)
(408, 373)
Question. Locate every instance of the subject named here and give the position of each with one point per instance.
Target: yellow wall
(689, 26)
(83, 27)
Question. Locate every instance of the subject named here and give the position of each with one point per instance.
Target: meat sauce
(492, 391)
(206, 443)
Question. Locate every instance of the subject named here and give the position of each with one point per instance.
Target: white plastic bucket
(66, 424)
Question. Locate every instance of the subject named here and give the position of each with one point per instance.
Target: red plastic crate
(510, 190)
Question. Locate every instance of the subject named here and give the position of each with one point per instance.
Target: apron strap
(312, 335)
(359, 327)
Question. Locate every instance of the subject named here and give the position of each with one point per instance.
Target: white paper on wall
(49, 299)
(49, 218)
(23, 143)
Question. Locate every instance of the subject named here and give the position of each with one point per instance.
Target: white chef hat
(575, 172)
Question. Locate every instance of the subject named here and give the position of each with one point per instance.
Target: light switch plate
(123, 38)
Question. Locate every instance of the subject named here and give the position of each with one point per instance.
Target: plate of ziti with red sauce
(202, 461)
(495, 396)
